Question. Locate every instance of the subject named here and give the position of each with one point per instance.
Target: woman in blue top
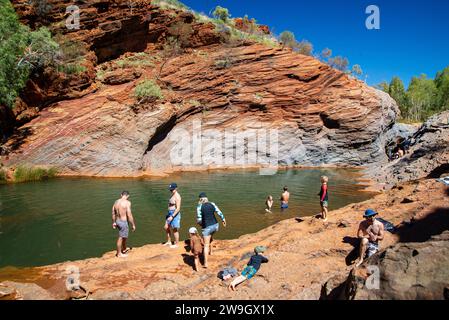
(205, 212)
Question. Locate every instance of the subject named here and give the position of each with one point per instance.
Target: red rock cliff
(321, 115)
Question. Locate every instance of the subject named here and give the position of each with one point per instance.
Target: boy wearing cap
(173, 218)
(251, 268)
(370, 232)
(196, 246)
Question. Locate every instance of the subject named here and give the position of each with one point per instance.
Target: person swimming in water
(269, 204)
(173, 218)
(285, 197)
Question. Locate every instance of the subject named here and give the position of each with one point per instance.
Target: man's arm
(113, 216)
(178, 207)
(130, 216)
(360, 232)
(264, 259)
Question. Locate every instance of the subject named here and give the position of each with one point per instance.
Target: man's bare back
(285, 197)
(122, 208)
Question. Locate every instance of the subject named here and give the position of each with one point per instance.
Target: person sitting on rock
(370, 232)
(251, 268)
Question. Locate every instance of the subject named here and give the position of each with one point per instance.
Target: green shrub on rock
(25, 173)
(148, 89)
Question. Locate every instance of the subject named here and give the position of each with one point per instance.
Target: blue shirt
(205, 214)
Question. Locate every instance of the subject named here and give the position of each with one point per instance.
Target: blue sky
(413, 36)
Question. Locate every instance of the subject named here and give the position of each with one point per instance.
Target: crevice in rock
(328, 122)
(129, 35)
(257, 107)
(306, 80)
(101, 6)
(161, 133)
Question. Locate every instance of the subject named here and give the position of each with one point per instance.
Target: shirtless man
(284, 198)
(121, 215)
(173, 218)
(370, 233)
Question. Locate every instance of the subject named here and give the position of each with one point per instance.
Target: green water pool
(70, 218)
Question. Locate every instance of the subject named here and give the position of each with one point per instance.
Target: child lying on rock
(251, 268)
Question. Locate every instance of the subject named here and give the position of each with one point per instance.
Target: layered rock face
(320, 116)
(107, 29)
(224, 104)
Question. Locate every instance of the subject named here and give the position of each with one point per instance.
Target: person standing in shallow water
(324, 197)
(173, 218)
(285, 197)
(121, 215)
(269, 204)
(205, 212)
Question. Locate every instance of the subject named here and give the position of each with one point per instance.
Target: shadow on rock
(354, 254)
(423, 229)
(189, 260)
(17, 140)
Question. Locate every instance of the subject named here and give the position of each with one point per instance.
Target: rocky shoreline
(309, 259)
(91, 124)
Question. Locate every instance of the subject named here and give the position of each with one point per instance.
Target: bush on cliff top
(175, 4)
(221, 13)
(21, 51)
(148, 89)
(24, 174)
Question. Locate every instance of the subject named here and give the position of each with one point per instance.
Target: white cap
(193, 230)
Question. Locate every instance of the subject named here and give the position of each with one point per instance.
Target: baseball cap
(202, 195)
(193, 230)
(260, 249)
(172, 186)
